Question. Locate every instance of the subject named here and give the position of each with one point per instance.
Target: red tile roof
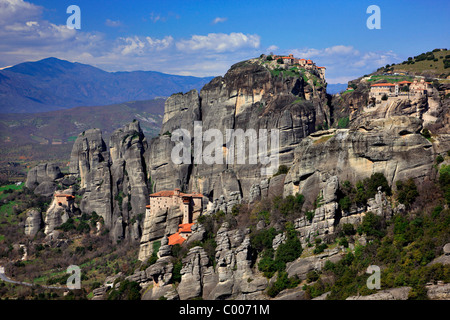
(169, 193)
(383, 85)
(404, 82)
(185, 227)
(176, 239)
(61, 195)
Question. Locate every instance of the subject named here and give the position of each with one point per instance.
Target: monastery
(190, 205)
(308, 64)
(416, 88)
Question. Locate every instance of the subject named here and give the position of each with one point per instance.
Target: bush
(309, 215)
(348, 229)
(262, 239)
(426, 134)
(128, 290)
(343, 122)
(384, 97)
(282, 169)
(372, 225)
(282, 282)
(289, 205)
(407, 192)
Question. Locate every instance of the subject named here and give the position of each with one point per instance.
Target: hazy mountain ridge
(52, 84)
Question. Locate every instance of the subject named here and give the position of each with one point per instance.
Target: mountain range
(52, 84)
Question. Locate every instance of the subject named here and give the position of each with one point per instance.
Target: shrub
(282, 169)
(343, 122)
(426, 134)
(282, 282)
(372, 225)
(439, 159)
(384, 97)
(309, 215)
(262, 239)
(348, 229)
(407, 192)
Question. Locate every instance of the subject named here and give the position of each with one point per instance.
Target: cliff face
(391, 146)
(248, 96)
(113, 182)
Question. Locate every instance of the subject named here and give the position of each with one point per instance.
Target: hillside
(52, 84)
(434, 64)
(26, 139)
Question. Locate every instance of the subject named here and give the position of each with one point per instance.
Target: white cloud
(273, 48)
(219, 42)
(26, 36)
(113, 23)
(15, 11)
(219, 20)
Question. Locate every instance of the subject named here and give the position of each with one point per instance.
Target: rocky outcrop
(129, 181)
(33, 222)
(248, 96)
(57, 214)
(195, 267)
(113, 182)
(41, 179)
(90, 162)
(391, 146)
(388, 294)
(233, 276)
(302, 266)
(157, 224)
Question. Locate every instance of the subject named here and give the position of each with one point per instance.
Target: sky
(204, 38)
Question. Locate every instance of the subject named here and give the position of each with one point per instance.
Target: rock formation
(391, 146)
(41, 179)
(33, 223)
(113, 182)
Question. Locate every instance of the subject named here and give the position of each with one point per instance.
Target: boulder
(33, 222)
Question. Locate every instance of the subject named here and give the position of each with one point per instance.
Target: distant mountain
(333, 88)
(53, 84)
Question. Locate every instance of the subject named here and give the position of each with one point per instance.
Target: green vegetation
(282, 169)
(273, 261)
(406, 192)
(127, 290)
(402, 247)
(365, 189)
(444, 181)
(343, 122)
(436, 62)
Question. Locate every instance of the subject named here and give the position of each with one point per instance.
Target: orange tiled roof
(148, 206)
(58, 195)
(404, 82)
(185, 227)
(383, 85)
(169, 193)
(176, 239)
(321, 67)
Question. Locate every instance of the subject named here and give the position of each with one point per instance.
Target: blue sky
(204, 38)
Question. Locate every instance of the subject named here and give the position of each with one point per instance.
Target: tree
(372, 225)
(406, 192)
(384, 97)
(280, 61)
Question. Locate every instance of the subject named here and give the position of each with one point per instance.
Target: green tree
(407, 192)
